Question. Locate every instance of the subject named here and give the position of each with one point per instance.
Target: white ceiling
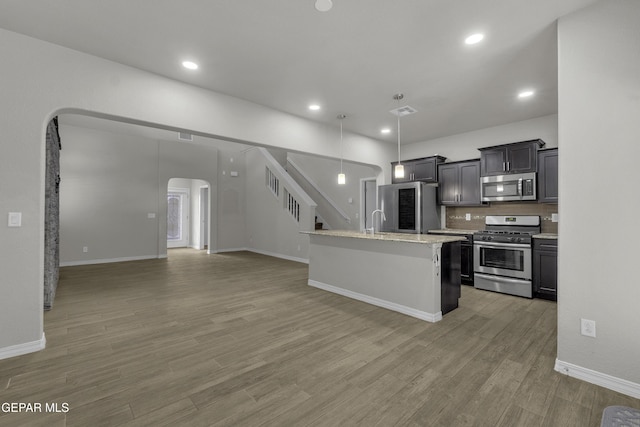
(352, 59)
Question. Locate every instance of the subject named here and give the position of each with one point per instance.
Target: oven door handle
(503, 279)
(502, 245)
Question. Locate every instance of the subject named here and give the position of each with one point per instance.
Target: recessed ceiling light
(323, 5)
(474, 38)
(385, 130)
(314, 107)
(190, 65)
(526, 94)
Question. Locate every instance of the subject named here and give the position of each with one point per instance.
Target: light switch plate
(151, 215)
(15, 219)
(554, 217)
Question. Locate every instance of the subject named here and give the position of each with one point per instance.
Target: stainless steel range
(502, 254)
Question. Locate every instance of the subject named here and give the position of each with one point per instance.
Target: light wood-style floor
(239, 339)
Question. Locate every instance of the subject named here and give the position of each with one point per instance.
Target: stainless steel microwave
(503, 188)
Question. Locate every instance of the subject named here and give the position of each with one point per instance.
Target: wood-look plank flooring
(239, 339)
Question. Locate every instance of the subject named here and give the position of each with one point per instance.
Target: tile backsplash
(455, 215)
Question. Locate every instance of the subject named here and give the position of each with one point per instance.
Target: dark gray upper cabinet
(408, 172)
(518, 157)
(548, 176)
(459, 183)
(423, 169)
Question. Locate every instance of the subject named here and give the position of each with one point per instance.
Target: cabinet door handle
(552, 247)
(508, 166)
(504, 166)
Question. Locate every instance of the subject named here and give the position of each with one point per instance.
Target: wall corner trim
(598, 378)
(20, 349)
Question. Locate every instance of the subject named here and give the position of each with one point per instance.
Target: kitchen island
(414, 274)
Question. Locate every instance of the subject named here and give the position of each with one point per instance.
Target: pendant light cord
(398, 134)
(341, 143)
(398, 97)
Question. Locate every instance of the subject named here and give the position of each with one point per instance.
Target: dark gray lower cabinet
(548, 176)
(466, 256)
(450, 276)
(545, 269)
(466, 261)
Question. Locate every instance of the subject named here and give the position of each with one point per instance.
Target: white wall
(42, 80)
(465, 146)
(109, 183)
(269, 227)
(599, 130)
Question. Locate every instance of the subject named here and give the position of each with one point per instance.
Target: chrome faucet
(373, 225)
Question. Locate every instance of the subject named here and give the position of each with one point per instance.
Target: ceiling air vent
(403, 111)
(183, 136)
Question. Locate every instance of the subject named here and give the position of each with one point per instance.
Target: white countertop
(389, 237)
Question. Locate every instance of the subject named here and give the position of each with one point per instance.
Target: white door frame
(204, 217)
(363, 205)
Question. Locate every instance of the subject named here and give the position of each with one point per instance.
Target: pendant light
(341, 177)
(399, 169)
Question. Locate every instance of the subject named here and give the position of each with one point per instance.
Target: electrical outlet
(588, 327)
(467, 217)
(85, 249)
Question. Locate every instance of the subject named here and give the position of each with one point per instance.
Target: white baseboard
(20, 349)
(221, 251)
(258, 251)
(277, 255)
(422, 315)
(108, 260)
(598, 378)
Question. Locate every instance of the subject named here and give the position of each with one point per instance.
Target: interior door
(177, 218)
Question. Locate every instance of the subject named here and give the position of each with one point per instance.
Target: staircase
(328, 213)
